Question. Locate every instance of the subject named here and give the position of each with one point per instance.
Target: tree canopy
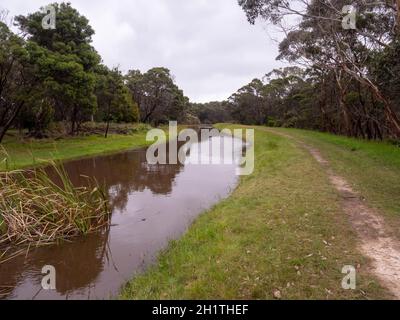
(159, 98)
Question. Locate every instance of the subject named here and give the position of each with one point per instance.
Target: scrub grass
(38, 209)
(372, 168)
(281, 234)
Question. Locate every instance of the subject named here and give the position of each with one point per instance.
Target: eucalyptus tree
(115, 103)
(248, 103)
(159, 98)
(70, 66)
(283, 98)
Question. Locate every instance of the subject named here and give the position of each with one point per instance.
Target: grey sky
(208, 45)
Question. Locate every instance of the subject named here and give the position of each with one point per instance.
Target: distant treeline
(295, 97)
(55, 75)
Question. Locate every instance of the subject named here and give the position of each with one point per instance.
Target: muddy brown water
(151, 205)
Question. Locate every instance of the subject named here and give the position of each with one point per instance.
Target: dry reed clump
(36, 210)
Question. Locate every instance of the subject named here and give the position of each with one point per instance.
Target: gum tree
(159, 98)
(70, 77)
(115, 103)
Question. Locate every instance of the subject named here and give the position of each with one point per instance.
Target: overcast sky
(208, 45)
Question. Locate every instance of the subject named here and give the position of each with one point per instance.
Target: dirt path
(375, 240)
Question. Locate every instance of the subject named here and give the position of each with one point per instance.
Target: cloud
(207, 44)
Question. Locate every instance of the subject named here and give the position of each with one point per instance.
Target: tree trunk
(108, 119)
(398, 16)
(73, 121)
(390, 114)
(3, 131)
(7, 125)
(72, 131)
(343, 107)
(107, 128)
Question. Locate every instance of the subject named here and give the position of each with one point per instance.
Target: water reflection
(123, 174)
(151, 205)
(81, 263)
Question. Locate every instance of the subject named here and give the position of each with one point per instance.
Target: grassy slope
(373, 168)
(281, 229)
(26, 154)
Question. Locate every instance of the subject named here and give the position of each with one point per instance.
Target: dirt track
(374, 234)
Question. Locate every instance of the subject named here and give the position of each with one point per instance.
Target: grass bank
(373, 168)
(28, 153)
(281, 234)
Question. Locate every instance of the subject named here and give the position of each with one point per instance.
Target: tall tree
(159, 98)
(115, 103)
(70, 68)
(248, 103)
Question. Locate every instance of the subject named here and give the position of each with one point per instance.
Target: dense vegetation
(52, 76)
(345, 80)
(211, 112)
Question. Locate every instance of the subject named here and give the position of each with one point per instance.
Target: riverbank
(283, 233)
(19, 153)
(28, 153)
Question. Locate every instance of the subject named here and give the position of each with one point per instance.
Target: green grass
(281, 229)
(22, 154)
(373, 168)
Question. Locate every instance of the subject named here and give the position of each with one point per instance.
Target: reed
(37, 208)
